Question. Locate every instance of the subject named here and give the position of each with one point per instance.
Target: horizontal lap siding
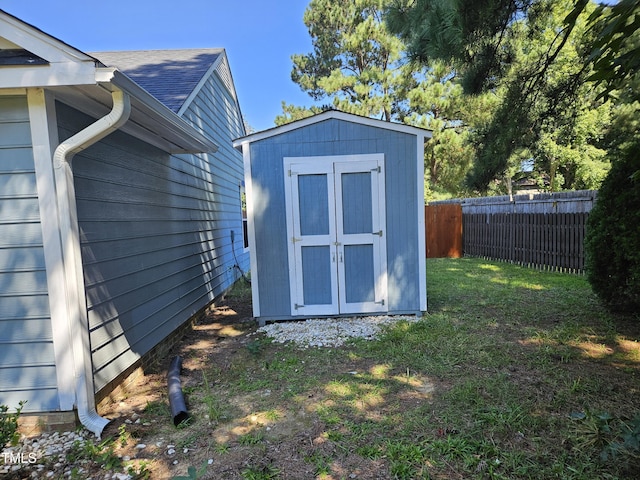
(215, 110)
(27, 365)
(335, 137)
(155, 233)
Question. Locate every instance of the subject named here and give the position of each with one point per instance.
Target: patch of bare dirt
(290, 442)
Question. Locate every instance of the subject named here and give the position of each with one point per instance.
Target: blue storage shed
(335, 206)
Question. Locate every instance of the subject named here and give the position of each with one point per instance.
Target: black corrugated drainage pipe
(176, 398)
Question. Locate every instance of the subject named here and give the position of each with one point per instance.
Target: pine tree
(536, 57)
(358, 66)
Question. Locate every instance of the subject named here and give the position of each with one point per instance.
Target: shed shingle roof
(168, 75)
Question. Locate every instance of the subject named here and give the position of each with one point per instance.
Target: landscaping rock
(330, 332)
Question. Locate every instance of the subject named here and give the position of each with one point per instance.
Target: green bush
(616, 440)
(9, 425)
(612, 243)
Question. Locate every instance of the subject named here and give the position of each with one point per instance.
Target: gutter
(78, 324)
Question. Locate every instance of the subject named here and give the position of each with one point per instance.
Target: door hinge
(381, 302)
(379, 233)
(296, 306)
(294, 239)
(377, 169)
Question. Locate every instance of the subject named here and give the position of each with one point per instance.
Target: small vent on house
(18, 56)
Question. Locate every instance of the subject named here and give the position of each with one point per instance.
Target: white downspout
(78, 326)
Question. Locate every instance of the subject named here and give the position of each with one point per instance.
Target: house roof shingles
(168, 75)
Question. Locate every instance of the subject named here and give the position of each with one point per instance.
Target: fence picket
(545, 231)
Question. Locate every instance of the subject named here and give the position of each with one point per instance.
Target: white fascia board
(66, 65)
(53, 75)
(69, 67)
(332, 114)
(201, 83)
(150, 120)
(40, 43)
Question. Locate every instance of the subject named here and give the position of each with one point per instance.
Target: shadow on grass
(485, 386)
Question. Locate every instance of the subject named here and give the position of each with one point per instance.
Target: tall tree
(615, 51)
(533, 55)
(358, 66)
(438, 103)
(470, 33)
(291, 113)
(355, 62)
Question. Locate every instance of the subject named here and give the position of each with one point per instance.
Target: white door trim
(333, 166)
(377, 238)
(295, 241)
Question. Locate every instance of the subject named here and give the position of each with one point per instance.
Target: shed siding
(335, 137)
(27, 365)
(155, 233)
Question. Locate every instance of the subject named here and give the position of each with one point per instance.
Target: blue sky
(259, 35)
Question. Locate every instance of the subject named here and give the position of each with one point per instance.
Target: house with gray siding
(335, 208)
(120, 210)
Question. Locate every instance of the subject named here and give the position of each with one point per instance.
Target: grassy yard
(530, 378)
(513, 373)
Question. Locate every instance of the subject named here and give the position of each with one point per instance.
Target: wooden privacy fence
(543, 240)
(444, 230)
(542, 231)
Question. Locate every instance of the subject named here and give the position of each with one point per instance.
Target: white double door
(336, 234)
